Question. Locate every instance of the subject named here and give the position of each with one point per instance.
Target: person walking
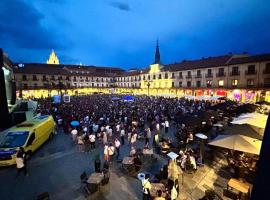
(20, 162)
(148, 137)
(117, 145)
(167, 125)
(105, 138)
(80, 143)
(74, 134)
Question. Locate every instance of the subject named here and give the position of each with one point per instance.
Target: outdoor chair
(92, 188)
(43, 196)
(83, 177)
(106, 178)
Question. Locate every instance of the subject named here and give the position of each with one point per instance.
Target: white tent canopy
(238, 143)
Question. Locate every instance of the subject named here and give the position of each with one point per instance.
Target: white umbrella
(218, 125)
(238, 143)
(259, 121)
(201, 136)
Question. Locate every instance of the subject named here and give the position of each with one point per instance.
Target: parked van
(30, 135)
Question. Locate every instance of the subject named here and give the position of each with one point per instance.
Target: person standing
(111, 150)
(148, 137)
(20, 162)
(122, 135)
(133, 139)
(167, 125)
(74, 134)
(80, 143)
(146, 187)
(92, 139)
(106, 152)
(117, 145)
(105, 138)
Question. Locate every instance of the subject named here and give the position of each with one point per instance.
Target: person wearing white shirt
(92, 139)
(122, 135)
(133, 139)
(117, 145)
(146, 187)
(74, 133)
(167, 126)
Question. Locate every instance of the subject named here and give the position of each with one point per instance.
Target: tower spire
(157, 55)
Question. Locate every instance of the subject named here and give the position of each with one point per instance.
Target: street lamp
(148, 86)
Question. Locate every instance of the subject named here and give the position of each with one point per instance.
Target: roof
(201, 63)
(250, 59)
(51, 69)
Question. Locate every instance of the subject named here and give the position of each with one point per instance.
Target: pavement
(56, 167)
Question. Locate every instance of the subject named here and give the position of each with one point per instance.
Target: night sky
(123, 33)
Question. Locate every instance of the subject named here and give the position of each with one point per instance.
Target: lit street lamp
(148, 86)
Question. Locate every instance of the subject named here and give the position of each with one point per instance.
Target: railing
(235, 73)
(198, 76)
(220, 74)
(180, 76)
(251, 72)
(209, 75)
(188, 76)
(35, 79)
(44, 79)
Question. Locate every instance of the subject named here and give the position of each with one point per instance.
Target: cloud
(120, 5)
(21, 27)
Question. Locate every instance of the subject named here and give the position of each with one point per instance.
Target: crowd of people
(110, 124)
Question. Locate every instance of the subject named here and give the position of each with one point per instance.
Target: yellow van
(30, 135)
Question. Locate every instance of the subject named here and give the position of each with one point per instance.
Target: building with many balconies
(243, 77)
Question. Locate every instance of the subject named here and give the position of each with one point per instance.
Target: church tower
(157, 55)
(53, 59)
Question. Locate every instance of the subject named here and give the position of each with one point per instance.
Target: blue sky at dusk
(123, 33)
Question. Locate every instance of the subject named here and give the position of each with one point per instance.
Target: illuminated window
(250, 82)
(234, 82)
(221, 83)
(166, 75)
(159, 76)
(209, 83)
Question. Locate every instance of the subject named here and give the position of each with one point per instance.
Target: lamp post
(148, 86)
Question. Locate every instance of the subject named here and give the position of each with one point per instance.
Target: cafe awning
(253, 119)
(238, 143)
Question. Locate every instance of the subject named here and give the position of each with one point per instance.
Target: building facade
(243, 78)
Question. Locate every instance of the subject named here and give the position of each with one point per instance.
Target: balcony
(221, 74)
(209, 75)
(188, 76)
(24, 79)
(35, 79)
(180, 77)
(266, 85)
(198, 76)
(251, 72)
(44, 79)
(266, 71)
(235, 73)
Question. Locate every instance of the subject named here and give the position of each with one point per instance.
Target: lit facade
(238, 77)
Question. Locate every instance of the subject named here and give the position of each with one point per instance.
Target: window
(159, 76)
(154, 77)
(180, 75)
(44, 77)
(166, 75)
(180, 83)
(267, 68)
(198, 84)
(172, 75)
(209, 71)
(198, 72)
(188, 83)
(148, 77)
(25, 86)
(189, 73)
(234, 82)
(221, 70)
(235, 71)
(209, 83)
(251, 68)
(250, 82)
(143, 77)
(24, 78)
(221, 83)
(101, 79)
(34, 77)
(31, 139)
(172, 84)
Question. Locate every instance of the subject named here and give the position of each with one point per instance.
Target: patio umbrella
(115, 98)
(253, 119)
(238, 143)
(74, 123)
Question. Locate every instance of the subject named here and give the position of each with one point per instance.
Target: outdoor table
(95, 178)
(155, 187)
(128, 160)
(240, 186)
(148, 152)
